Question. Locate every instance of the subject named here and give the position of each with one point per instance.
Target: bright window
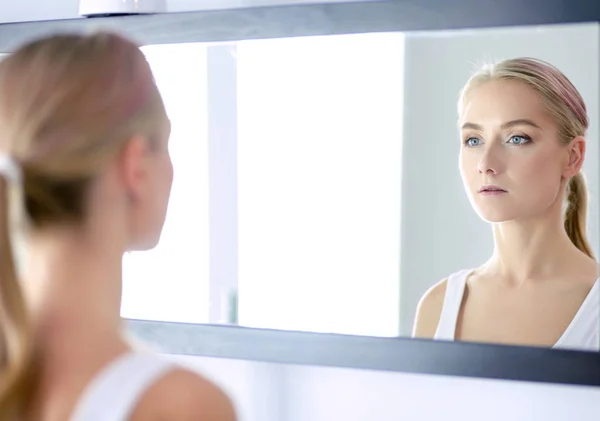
(170, 283)
(319, 150)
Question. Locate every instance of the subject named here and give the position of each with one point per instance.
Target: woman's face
(149, 179)
(511, 161)
(159, 189)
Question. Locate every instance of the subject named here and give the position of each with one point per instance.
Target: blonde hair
(68, 105)
(564, 102)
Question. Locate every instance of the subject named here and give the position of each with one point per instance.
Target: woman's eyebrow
(508, 124)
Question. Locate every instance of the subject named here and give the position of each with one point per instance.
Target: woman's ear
(576, 154)
(134, 166)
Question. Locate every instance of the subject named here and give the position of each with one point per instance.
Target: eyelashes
(516, 140)
(523, 139)
(470, 142)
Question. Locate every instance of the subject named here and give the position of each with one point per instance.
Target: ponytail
(576, 214)
(16, 333)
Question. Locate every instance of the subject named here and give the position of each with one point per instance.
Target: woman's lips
(491, 190)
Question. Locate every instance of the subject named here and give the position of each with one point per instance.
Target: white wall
(441, 232)
(324, 394)
(277, 392)
(29, 10)
(255, 388)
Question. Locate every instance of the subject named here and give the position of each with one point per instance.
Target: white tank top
(115, 392)
(582, 334)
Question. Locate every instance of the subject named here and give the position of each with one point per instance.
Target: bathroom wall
(277, 392)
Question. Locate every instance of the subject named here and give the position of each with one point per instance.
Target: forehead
(503, 100)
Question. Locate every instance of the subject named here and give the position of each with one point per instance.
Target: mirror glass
(317, 181)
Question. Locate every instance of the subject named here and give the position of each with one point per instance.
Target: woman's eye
(472, 141)
(518, 140)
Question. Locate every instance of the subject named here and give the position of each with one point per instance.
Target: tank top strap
(583, 332)
(116, 391)
(455, 290)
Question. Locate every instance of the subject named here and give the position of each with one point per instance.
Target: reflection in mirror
(320, 160)
(294, 179)
(544, 291)
(170, 282)
(318, 187)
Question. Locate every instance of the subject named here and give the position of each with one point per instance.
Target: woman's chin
(145, 244)
(496, 216)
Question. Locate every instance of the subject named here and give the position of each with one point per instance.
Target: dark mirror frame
(388, 354)
(317, 19)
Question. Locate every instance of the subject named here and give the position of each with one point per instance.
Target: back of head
(68, 105)
(565, 104)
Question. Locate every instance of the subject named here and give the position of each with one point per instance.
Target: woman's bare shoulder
(183, 395)
(429, 310)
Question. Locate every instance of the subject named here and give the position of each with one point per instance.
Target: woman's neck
(533, 250)
(73, 287)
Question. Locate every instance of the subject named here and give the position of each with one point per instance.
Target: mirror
(317, 184)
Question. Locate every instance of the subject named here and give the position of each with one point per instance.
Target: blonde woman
(85, 175)
(522, 130)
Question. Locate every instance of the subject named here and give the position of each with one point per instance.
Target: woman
(85, 172)
(522, 127)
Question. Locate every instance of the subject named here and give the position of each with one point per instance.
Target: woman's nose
(489, 162)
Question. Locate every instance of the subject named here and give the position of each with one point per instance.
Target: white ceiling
(28, 10)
